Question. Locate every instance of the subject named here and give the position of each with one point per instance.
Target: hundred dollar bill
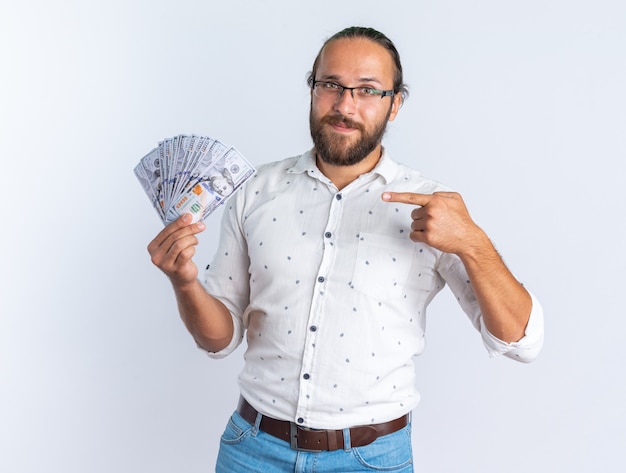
(191, 174)
(148, 172)
(213, 187)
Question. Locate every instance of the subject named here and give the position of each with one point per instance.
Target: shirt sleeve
(227, 277)
(526, 349)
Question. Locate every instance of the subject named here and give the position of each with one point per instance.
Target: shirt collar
(386, 167)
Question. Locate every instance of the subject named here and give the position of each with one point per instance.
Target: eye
(367, 91)
(330, 86)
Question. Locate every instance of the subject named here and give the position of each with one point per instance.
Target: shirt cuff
(528, 347)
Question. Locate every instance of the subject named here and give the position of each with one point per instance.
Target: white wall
(518, 105)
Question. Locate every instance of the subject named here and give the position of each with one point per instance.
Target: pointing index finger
(407, 198)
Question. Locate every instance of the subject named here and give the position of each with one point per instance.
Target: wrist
(477, 248)
(185, 287)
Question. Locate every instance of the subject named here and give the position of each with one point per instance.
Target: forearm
(443, 222)
(505, 304)
(206, 318)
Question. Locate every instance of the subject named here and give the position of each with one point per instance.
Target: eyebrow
(361, 80)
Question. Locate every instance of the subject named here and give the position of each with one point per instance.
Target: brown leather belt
(311, 440)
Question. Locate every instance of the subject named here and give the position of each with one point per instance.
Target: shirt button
(320, 279)
(306, 375)
(328, 234)
(338, 197)
(300, 420)
(313, 328)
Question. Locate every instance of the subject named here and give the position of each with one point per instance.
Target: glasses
(331, 90)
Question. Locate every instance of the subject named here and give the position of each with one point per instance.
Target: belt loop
(346, 440)
(331, 437)
(257, 424)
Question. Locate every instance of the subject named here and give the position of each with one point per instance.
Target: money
(191, 174)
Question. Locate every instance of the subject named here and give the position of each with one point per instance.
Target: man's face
(345, 130)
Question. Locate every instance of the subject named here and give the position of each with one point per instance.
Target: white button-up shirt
(331, 293)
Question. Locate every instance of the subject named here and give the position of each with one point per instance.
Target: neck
(341, 176)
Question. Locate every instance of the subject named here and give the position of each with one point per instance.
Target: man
(327, 262)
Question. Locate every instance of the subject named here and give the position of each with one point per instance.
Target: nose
(346, 103)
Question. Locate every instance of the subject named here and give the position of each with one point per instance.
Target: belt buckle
(293, 440)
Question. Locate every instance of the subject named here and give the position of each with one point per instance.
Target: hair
(399, 87)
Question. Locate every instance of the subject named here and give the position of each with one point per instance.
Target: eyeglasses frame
(343, 88)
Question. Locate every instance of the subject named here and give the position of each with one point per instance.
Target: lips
(342, 123)
(342, 126)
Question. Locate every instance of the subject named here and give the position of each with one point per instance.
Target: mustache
(340, 119)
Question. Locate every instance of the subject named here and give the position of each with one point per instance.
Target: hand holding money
(173, 248)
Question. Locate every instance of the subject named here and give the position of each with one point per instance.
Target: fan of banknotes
(191, 174)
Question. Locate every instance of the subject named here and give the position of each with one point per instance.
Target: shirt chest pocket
(382, 265)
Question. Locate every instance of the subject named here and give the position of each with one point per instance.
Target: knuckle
(187, 253)
(177, 247)
(156, 260)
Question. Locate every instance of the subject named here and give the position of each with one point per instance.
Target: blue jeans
(246, 449)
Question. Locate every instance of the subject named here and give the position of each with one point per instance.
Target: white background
(519, 105)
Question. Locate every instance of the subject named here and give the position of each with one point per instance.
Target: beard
(337, 150)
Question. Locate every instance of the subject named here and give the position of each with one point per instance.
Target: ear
(395, 106)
